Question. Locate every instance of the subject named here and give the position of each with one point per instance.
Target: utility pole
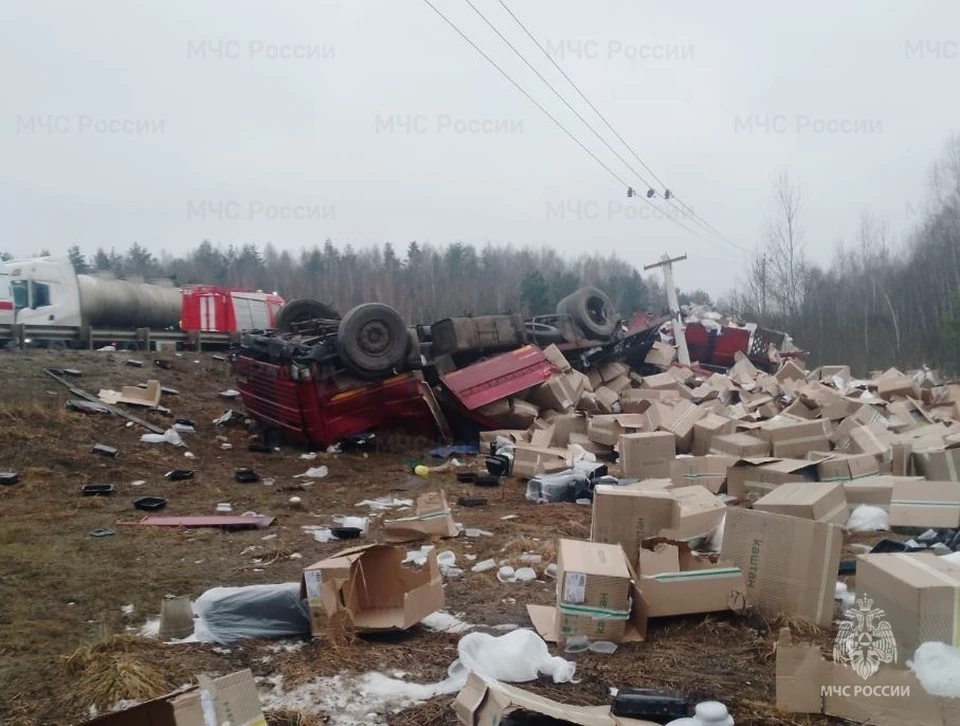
(763, 288)
(666, 264)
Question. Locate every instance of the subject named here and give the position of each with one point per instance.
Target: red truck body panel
(211, 309)
(318, 413)
(716, 349)
(498, 377)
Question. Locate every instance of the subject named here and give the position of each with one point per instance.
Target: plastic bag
(231, 614)
(516, 657)
(170, 436)
(564, 486)
(866, 518)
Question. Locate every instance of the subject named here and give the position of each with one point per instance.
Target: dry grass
(516, 546)
(107, 672)
(287, 717)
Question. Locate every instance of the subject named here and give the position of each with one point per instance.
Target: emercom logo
(865, 642)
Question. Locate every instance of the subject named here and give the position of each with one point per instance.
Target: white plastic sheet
(867, 518)
(170, 436)
(516, 657)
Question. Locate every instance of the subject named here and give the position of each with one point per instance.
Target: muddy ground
(61, 591)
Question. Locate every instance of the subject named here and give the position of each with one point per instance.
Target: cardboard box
(230, 699)
(925, 504)
(661, 355)
(680, 422)
(820, 501)
(864, 440)
(491, 703)
(499, 409)
(697, 513)
(522, 413)
(938, 465)
(707, 471)
(614, 369)
(903, 386)
(790, 564)
(566, 424)
(373, 587)
(607, 399)
(740, 446)
(432, 518)
(674, 581)
(647, 455)
(133, 395)
(594, 588)
(843, 467)
(661, 382)
(618, 384)
(796, 440)
(807, 683)
(709, 427)
(557, 392)
(583, 441)
(624, 515)
(753, 478)
(874, 490)
(791, 371)
(918, 593)
(488, 437)
(593, 375)
(553, 354)
(530, 460)
(607, 429)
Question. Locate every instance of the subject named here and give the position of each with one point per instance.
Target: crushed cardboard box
(229, 699)
(133, 395)
(432, 518)
(780, 580)
(373, 587)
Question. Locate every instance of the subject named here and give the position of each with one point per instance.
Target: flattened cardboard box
(707, 471)
(594, 587)
(820, 501)
(489, 703)
(647, 455)
(234, 699)
(926, 504)
(432, 518)
(373, 587)
(919, 594)
(673, 580)
(807, 683)
(779, 582)
(752, 478)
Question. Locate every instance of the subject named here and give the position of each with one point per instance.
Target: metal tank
(122, 304)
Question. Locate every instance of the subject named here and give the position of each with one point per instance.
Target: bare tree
(785, 250)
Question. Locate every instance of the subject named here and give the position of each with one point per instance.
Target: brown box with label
(594, 587)
(919, 594)
(647, 455)
(933, 504)
(790, 564)
(819, 501)
(707, 471)
(673, 580)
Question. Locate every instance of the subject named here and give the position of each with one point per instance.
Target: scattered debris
(179, 474)
(104, 450)
(75, 404)
(245, 475)
(97, 490)
(230, 393)
(150, 504)
(225, 521)
(9, 478)
(316, 472)
(170, 436)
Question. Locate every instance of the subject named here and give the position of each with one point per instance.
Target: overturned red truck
(319, 378)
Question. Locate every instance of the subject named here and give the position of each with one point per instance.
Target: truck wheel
(303, 310)
(372, 339)
(592, 310)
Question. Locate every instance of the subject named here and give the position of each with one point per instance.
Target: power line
(557, 93)
(688, 210)
(552, 118)
(531, 98)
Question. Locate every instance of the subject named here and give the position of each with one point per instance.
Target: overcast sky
(293, 121)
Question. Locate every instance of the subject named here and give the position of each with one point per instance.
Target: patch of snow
(383, 503)
(286, 647)
(847, 599)
(127, 609)
(937, 667)
(151, 628)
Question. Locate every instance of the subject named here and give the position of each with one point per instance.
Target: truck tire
(372, 339)
(592, 311)
(301, 311)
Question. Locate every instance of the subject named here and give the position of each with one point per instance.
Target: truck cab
(40, 291)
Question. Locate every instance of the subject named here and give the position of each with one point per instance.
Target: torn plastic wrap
(232, 614)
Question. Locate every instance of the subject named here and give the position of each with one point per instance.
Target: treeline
(879, 302)
(424, 283)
